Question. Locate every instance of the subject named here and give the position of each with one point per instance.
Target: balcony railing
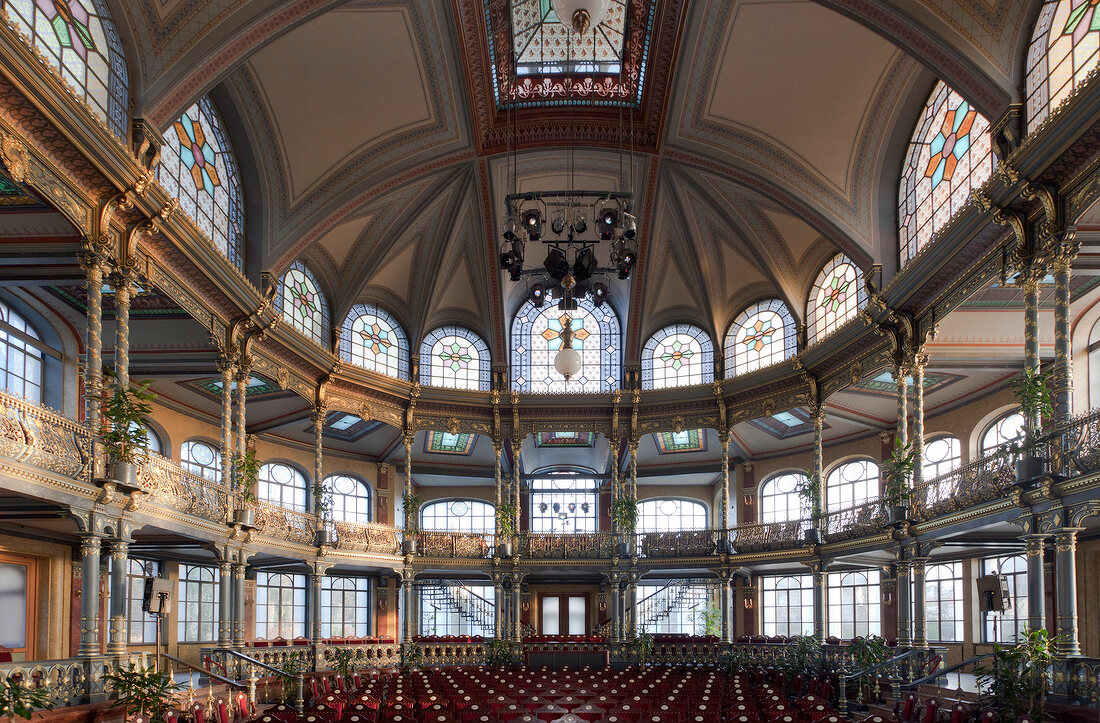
(40, 437)
(591, 545)
(371, 537)
(286, 523)
(171, 485)
(466, 545)
(982, 480)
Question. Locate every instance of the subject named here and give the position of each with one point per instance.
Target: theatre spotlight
(556, 264)
(538, 295)
(585, 265)
(630, 226)
(532, 223)
(599, 293)
(558, 225)
(606, 223)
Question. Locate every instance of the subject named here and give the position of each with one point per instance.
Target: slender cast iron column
(225, 603)
(920, 625)
(119, 550)
(901, 429)
(238, 605)
(244, 375)
(1031, 329)
(724, 520)
(498, 607)
(517, 608)
(726, 607)
(498, 461)
(1065, 546)
(1036, 598)
(315, 581)
(93, 263)
(89, 595)
(819, 467)
(817, 570)
(1063, 369)
(904, 586)
(226, 367)
(919, 362)
(122, 285)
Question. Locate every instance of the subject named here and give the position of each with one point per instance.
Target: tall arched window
(943, 595)
(303, 305)
(152, 441)
(79, 40)
(671, 515)
(454, 358)
(458, 516)
(351, 499)
(202, 459)
(537, 336)
(198, 603)
(20, 361)
(950, 154)
(1094, 365)
(851, 484)
(372, 339)
(283, 485)
(198, 167)
(941, 456)
(1003, 430)
(762, 334)
(677, 356)
(836, 296)
(1062, 52)
(780, 500)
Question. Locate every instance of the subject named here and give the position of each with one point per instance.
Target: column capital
(1033, 544)
(384, 467)
(816, 567)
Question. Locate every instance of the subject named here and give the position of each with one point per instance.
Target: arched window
(454, 358)
(854, 608)
(677, 356)
(373, 339)
(536, 338)
(836, 296)
(198, 167)
(79, 40)
(564, 503)
(198, 608)
(458, 516)
(152, 441)
(950, 154)
(788, 605)
(941, 456)
(671, 515)
(1062, 52)
(851, 484)
(350, 498)
(780, 500)
(761, 335)
(943, 597)
(281, 484)
(1094, 365)
(20, 360)
(1002, 431)
(303, 305)
(202, 459)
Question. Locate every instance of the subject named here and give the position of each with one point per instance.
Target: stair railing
(843, 679)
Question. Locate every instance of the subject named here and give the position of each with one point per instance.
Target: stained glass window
(950, 154)
(79, 40)
(665, 515)
(350, 498)
(788, 605)
(202, 459)
(677, 356)
(1002, 431)
(372, 339)
(454, 358)
(537, 336)
(851, 484)
(762, 334)
(1062, 52)
(281, 484)
(198, 167)
(303, 305)
(836, 296)
(780, 500)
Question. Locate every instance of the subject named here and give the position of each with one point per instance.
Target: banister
(913, 684)
(202, 671)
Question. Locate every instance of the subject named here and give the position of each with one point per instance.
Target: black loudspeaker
(157, 599)
(993, 594)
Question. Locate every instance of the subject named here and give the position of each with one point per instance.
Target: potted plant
(343, 659)
(866, 652)
(734, 660)
(624, 516)
(810, 490)
(506, 528)
(498, 652)
(411, 502)
(141, 691)
(711, 619)
(1016, 685)
(412, 655)
(322, 506)
(803, 658)
(245, 473)
(642, 647)
(895, 481)
(289, 672)
(125, 425)
(1032, 390)
(20, 701)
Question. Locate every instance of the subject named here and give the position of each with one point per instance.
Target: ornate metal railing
(370, 537)
(852, 522)
(67, 682)
(982, 480)
(40, 437)
(169, 484)
(285, 523)
(1074, 447)
(453, 653)
(758, 536)
(455, 544)
(587, 545)
(687, 543)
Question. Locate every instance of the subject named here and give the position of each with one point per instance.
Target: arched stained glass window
(780, 500)
(671, 515)
(200, 458)
(537, 336)
(950, 154)
(1062, 52)
(281, 484)
(20, 359)
(79, 40)
(351, 499)
(1002, 431)
(836, 296)
(198, 167)
(458, 516)
(762, 334)
(851, 484)
(677, 356)
(372, 339)
(454, 358)
(302, 303)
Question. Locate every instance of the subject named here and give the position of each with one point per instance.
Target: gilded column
(323, 516)
(226, 367)
(408, 598)
(724, 516)
(616, 608)
(498, 607)
(89, 595)
(1063, 366)
(1065, 546)
(817, 570)
(122, 284)
(919, 362)
(901, 430)
(316, 579)
(244, 376)
(119, 637)
(238, 604)
(92, 263)
(632, 607)
(517, 445)
(634, 468)
(498, 479)
(904, 585)
(225, 603)
(725, 606)
(408, 479)
(819, 468)
(920, 623)
(1036, 597)
(517, 608)
(1031, 328)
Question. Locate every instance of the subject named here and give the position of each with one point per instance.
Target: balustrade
(37, 436)
(586, 545)
(468, 545)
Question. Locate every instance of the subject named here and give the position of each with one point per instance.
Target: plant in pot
(809, 488)
(711, 621)
(1032, 390)
(895, 481)
(292, 666)
(506, 528)
(624, 516)
(18, 699)
(865, 652)
(1015, 686)
(343, 662)
(142, 691)
(322, 507)
(498, 652)
(125, 422)
(245, 473)
(412, 655)
(803, 658)
(734, 660)
(642, 647)
(412, 503)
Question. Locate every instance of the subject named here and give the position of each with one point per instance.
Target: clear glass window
(1007, 429)
(851, 484)
(280, 605)
(1008, 626)
(670, 514)
(943, 602)
(564, 504)
(788, 604)
(853, 600)
(345, 607)
(458, 516)
(201, 459)
(20, 359)
(281, 484)
(198, 603)
(780, 500)
(351, 498)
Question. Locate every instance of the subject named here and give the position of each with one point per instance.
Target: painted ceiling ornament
(197, 154)
(70, 22)
(950, 144)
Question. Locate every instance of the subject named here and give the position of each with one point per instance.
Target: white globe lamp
(568, 363)
(581, 15)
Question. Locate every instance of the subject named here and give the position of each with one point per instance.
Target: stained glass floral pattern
(762, 334)
(303, 305)
(836, 296)
(79, 40)
(454, 358)
(372, 339)
(950, 154)
(676, 356)
(198, 167)
(537, 336)
(1064, 48)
